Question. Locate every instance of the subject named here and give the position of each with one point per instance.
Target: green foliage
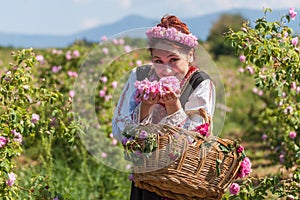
(272, 57)
(36, 101)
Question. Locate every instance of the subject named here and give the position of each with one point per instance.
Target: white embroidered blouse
(128, 110)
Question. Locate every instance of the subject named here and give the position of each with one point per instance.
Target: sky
(63, 17)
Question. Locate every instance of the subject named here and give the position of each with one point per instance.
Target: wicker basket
(203, 170)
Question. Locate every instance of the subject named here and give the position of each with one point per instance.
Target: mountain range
(199, 26)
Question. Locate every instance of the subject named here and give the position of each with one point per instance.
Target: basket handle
(202, 112)
(204, 115)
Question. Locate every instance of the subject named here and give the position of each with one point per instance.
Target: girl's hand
(147, 101)
(170, 98)
(150, 99)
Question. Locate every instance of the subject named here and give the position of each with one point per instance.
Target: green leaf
(218, 162)
(224, 148)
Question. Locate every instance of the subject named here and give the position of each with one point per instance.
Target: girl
(172, 47)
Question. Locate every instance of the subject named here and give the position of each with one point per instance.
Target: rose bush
(39, 132)
(270, 54)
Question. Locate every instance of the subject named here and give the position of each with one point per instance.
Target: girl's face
(167, 63)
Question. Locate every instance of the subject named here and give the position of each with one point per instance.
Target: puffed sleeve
(188, 117)
(127, 111)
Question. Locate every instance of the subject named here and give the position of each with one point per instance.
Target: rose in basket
(244, 170)
(245, 166)
(139, 143)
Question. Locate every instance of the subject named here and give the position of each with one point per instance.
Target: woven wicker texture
(202, 171)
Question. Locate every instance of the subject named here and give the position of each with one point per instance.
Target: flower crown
(172, 34)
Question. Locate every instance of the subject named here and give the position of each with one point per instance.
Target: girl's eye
(174, 59)
(158, 61)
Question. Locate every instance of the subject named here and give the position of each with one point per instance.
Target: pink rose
(35, 118)
(68, 55)
(295, 41)
(203, 129)
(39, 58)
(103, 155)
(3, 141)
(234, 189)
(11, 179)
(264, 137)
(115, 41)
(250, 69)
(105, 50)
(108, 97)
(114, 84)
(292, 13)
(72, 74)
(127, 48)
(76, 54)
(242, 58)
(293, 135)
(240, 149)
(245, 168)
(260, 92)
(281, 158)
(102, 93)
(56, 69)
(104, 38)
(138, 62)
(71, 93)
(114, 142)
(18, 137)
(104, 79)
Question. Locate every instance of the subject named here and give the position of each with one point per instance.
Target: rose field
(56, 108)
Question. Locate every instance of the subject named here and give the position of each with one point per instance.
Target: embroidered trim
(187, 77)
(175, 119)
(122, 100)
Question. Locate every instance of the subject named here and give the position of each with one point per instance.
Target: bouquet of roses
(145, 87)
(139, 143)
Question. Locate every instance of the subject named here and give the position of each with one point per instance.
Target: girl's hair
(172, 21)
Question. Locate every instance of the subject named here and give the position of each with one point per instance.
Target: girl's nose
(167, 69)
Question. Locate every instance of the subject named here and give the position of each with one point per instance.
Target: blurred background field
(64, 168)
